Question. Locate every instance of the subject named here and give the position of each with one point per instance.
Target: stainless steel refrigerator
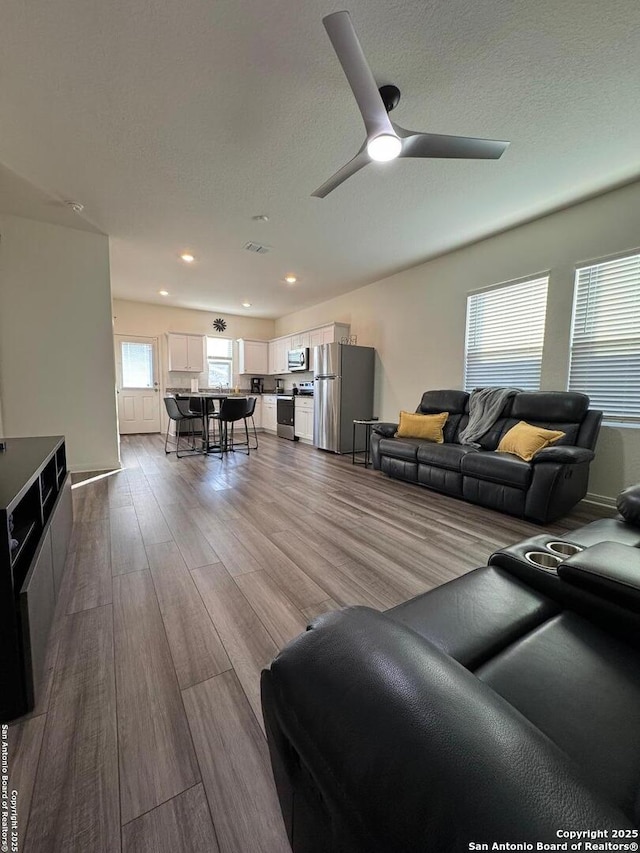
(343, 392)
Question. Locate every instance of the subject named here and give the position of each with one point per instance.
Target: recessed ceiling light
(260, 217)
(246, 305)
(163, 292)
(187, 257)
(76, 206)
(290, 279)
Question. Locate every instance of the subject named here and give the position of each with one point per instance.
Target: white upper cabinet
(302, 339)
(278, 355)
(316, 338)
(277, 361)
(186, 352)
(253, 357)
(326, 335)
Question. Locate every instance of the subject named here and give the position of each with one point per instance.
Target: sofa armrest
(407, 750)
(386, 430)
(563, 455)
(609, 569)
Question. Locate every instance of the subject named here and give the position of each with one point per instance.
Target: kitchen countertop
(242, 392)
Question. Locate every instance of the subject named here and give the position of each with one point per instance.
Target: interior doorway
(138, 389)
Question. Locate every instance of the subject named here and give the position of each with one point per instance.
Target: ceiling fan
(386, 140)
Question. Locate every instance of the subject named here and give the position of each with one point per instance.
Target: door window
(137, 364)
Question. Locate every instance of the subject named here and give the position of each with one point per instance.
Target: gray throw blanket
(485, 406)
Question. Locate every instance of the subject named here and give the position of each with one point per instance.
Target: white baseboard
(601, 500)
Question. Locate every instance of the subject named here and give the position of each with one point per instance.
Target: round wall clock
(219, 324)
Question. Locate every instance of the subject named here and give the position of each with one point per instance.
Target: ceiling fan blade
(437, 145)
(354, 165)
(354, 64)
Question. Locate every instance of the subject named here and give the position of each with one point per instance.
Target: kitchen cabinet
(272, 359)
(278, 349)
(253, 357)
(257, 414)
(304, 419)
(278, 352)
(302, 339)
(186, 352)
(330, 334)
(269, 412)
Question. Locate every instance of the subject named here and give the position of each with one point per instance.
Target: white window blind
(505, 335)
(137, 364)
(220, 361)
(605, 340)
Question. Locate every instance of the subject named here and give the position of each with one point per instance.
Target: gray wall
(416, 319)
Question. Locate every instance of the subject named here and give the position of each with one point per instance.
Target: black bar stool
(233, 409)
(251, 407)
(179, 414)
(203, 407)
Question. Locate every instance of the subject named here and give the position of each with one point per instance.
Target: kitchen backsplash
(176, 380)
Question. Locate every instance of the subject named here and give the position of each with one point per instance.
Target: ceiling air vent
(257, 248)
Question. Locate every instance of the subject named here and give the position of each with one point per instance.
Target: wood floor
(184, 579)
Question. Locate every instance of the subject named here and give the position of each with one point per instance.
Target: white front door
(138, 390)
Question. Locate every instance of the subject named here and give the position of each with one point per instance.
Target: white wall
(56, 350)
(416, 319)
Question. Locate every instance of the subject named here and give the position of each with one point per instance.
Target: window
(137, 364)
(605, 339)
(220, 361)
(505, 334)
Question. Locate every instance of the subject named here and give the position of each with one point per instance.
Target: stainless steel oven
(285, 412)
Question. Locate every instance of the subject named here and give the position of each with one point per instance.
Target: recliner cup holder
(564, 549)
(543, 560)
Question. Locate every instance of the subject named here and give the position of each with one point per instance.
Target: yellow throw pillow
(428, 427)
(526, 440)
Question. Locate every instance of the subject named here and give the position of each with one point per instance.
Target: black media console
(36, 517)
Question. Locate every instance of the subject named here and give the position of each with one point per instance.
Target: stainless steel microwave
(298, 359)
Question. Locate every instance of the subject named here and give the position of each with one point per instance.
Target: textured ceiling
(175, 122)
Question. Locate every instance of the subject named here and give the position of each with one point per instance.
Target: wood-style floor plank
(344, 589)
(89, 581)
(235, 766)
(195, 645)
(90, 500)
(181, 825)
(229, 548)
(194, 548)
(153, 527)
(318, 609)
(248, 644)
(24, 742)
(127, 547)
(300, 588)
(74, 806)
(119, 493)
(276, 612)
(155, 750)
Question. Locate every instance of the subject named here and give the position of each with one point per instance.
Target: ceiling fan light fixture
(384, 147)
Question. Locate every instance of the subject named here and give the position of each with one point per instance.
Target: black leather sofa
(542, 490)
(496, 708)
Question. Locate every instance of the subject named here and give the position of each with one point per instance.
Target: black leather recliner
(485, 710)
